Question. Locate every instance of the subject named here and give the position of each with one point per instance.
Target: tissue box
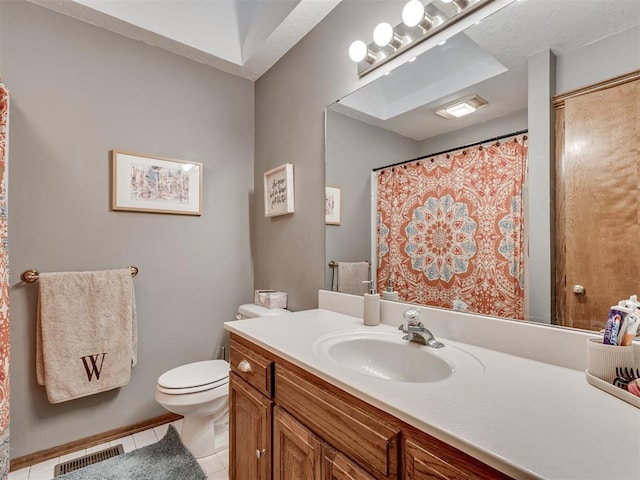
(270, 299)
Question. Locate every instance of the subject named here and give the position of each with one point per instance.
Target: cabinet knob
(259, 453)
(244, 366)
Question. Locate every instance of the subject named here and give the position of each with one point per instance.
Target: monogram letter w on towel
(86, 338)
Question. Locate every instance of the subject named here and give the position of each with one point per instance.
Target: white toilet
(199, 392)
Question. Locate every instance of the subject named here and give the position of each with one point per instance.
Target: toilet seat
(194, 377)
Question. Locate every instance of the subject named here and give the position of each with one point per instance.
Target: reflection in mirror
(393, 119)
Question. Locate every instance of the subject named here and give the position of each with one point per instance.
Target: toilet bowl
(199, 392)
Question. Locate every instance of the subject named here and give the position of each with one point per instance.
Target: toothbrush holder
(602, 360)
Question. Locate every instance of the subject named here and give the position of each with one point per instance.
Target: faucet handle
(412, 316)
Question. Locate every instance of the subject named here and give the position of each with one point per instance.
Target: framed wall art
(143, 183)
(332, 205)
(278, 191)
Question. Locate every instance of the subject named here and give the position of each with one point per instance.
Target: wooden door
(598, 219)
(250, 416)
(297, 453)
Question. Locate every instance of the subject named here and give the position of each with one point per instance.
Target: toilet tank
(251, 310)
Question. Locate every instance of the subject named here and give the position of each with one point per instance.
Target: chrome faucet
(415, 331)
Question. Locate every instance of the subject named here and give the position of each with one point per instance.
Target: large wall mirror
(393, 119)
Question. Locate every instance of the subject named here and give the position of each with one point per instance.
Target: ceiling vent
(462, 106)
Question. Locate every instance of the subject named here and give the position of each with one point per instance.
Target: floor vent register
(87, 460)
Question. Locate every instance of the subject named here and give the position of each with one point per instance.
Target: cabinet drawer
(429, 458)
(369, 441)
(252, 367)
(338, 467)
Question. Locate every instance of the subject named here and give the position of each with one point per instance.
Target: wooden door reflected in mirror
(597, 200)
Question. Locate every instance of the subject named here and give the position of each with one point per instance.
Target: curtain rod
(452, 150)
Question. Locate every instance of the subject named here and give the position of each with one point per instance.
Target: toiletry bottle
(371, 310)
(617, 315)
(628, 306)
(631, 330)
(390, 294)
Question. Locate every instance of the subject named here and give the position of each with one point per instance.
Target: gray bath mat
(167, 459)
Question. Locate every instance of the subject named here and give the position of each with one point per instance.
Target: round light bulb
(383, 34)
(413, 13)
(358, 51)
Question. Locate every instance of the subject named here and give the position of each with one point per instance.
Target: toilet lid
(196, 374)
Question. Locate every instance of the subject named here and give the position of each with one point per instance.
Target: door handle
(578, 290)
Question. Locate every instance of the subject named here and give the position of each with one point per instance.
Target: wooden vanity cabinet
(287, 424)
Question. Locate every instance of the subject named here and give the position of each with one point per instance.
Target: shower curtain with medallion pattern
(450, 229)
(4, 285)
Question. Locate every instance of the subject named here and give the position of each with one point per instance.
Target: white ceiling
(242, 37)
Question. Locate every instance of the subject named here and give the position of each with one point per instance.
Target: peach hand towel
(86, 335)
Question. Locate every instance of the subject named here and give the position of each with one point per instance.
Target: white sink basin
(384, 355)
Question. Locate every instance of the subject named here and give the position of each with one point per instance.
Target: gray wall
(78, 92)
(353, 149)
(608, 58)
(289, 251)
(476, 133)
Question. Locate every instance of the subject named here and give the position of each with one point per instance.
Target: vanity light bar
(419, 22)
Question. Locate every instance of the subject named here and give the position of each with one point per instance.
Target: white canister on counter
(371, 307)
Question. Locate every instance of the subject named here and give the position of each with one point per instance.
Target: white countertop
(526, 418)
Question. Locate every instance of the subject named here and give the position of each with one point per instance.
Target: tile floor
(216, 466)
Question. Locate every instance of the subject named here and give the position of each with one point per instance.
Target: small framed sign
(278, 191)
(332, 200)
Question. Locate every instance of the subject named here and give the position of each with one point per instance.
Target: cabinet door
(297, 453)
(250, 416)
(336, 466)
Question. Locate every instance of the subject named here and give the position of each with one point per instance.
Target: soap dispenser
(390, 294)
(371, 310)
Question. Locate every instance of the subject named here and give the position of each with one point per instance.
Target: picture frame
(279, 191)
(145, 183)
(332, 205)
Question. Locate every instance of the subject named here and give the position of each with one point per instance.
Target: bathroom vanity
(302, 406)
(292, 424)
